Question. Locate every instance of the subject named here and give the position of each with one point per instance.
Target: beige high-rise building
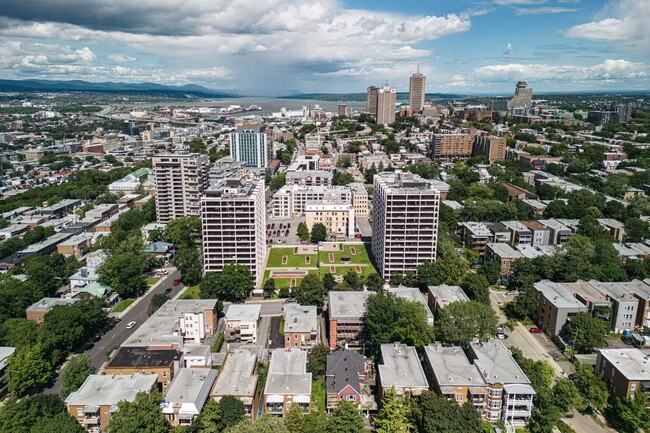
(417, 89)
(386, 100)
(449, 147)
(180, 180)
(490, 146)
(405, 211)
(233, 222)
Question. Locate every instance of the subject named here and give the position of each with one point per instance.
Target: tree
(345, 419)
(29, 368)
(157, 301)
(592, 387)
(263, 424)
(353, 279)
(183, 232)
(21, 415)
(235, 283)
(39, 271)
(188, 262)
(342, 178)
(629, 415)
(586, 332)
(310, 291)
(394, 414)
(317, 360)
(269, 287)
(390, 318)
(343, 286)
(636, 230)
(61, 423)
(294, 421)
(432, 413)
(591, 228)
(460, 322)
(143, 414)
(476, 287)
(209, 286)
(18, 332)
(565, 396)
(318, 233)
(491, 271)
(75, 373)
(232, 411)
(278, 181)
(209, 420)
(328, 282)
(124, 273)
(374, 281)
(303, 231)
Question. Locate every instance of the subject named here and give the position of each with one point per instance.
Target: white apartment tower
(180, 180)
(252, 145)
(404, 222)
(386, 99)
(233, 222)
(417, 90)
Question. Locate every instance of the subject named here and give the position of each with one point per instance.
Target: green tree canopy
(143, 414)
(317, 360)
(395, 413)
(432, 413)
(30, 368)
(586, 332)
(318, 233)
(310, 291)
(124, 273)
(20, 416)
(233, 284)
(477, 287)
(74, 374)
(345, 419)
(460, 322)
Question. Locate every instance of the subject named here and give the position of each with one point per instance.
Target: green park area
(288, 258)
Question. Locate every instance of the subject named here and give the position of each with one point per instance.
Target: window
(632, 386)
(351, 397)
(164, 374)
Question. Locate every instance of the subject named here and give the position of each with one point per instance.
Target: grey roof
(412, 294)
(287, 373)
(243, 312)
(46, 304)
(300, 318)
(496, 364)
(237, 377)
(558, 295)
(505, 251)
(401, 367)
(158, 247)
(108, 390)
(343, 369)
(445, 294)
(191, 385)
(634, 364)
(5, 353)
(347, 305)
(451, 366)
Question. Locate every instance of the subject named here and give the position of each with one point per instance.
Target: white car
(130, 325)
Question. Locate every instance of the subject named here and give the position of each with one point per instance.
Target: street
(115, 336)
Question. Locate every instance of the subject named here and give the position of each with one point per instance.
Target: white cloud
(625, 21)
(510, 49)
(121, 58)
(543, 10)
(519, 2)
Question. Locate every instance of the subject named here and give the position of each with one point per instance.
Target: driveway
(585, 424)
(275, 337)
(533, 346)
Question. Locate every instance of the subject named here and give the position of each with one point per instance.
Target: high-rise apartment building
(371, 101)
(523, 100)
(233, 221)
(342, 110)
(404, 222)
(386, 99)
(417, 89)
(253, 145)
(180, 180)
(449, 147)
(490, 146)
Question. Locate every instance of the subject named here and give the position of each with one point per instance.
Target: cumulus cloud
(121, 58)
(510, 49)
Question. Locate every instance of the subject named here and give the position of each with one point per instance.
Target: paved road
(585, 424)
(276, 338)
(116, 336)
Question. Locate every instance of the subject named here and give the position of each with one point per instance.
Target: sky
(271, 47)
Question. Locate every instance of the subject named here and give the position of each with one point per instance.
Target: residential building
(491, 147)
(336, 216)
(252, 144)
(386, 101)
(95, 402)
(233, 220)
(555, 305)
(180, 180)
(61, 207)
(417, 90)
(360, 200)
(309, 178)
(412, 294)
(77, 245)
(346, 312)
(451, 147)
(475, 235)
(625, 304)
(241, 322)
(238, 378)
(132, 360)
(187, 395)
(291, 200)
(346, 379)
(404, 222)
(504, 254)
(38, 310)
(301, 328)
(441, 296)
(225, 168)
(287, 382)
(626, 371)
(102, 211)
(401, 369)
(520, 233)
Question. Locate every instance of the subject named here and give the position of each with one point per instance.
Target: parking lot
(283, 229)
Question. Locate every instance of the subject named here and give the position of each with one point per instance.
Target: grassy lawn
(293, 260)
(318, 395)
(152, 280)
(360, 257)
(286, 282)
(122, 305)
(191, 293)
(342, 270)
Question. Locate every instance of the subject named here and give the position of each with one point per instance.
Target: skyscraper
(253, 145)
(417, 89)
(233, 221)
(180, 181)
(342, 110)
(523, 100)
(386, 99)
(404, 222)
(371, 101)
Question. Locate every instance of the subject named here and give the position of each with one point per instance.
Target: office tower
(386, 99)
(417, 89)
(343, 110)
(404, 222)
(180, 181)
(371, 101)
(493, 148)
(523, 99)
(450, 147)
(129, 128)
(233, 221)
(251, 144)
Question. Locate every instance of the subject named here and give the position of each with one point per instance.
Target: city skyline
(332, 46)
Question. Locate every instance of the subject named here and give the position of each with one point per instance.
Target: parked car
(177, 282)
(288, 225)
(168, 291)
(273, 225)
(535, 330)
(161, 272)
(512, 292)
(130, 325)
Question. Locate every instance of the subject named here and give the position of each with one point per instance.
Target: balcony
(90, 420)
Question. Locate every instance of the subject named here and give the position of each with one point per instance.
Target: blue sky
(272, 46)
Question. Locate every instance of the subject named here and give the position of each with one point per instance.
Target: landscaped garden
(291, 258)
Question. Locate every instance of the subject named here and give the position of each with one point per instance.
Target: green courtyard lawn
(122, 305)
(342, 270)
(319, 395)
(293, 260)
(286, 282)
(152, 280)
(191, 293)
(361, 256)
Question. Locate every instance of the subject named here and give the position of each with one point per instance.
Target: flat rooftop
(347, 305)
(243, 312)
(445, 294)
(300, 318)
(558, 295)
(587, 292)
(451, 366)
(288, 373)
(401, 367)
(46, 304)
(237, 375)
(634, 364)
(505, 251)
(143, 357)
(108, 390)
(189, 385)
(496, 364)
(412, 294)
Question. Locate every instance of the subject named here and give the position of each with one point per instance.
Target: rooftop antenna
(418, 68)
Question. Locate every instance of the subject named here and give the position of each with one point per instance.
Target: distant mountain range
(86, 86)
